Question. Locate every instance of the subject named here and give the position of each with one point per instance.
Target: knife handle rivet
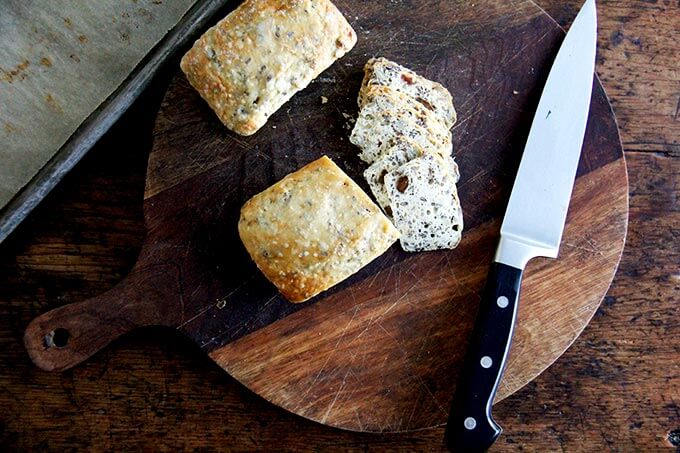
(502, 301)
(486, 362)
(470, 423)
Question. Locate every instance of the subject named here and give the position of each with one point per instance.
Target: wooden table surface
(617, 388)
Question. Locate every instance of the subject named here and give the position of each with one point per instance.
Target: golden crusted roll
(255, 59)
(313, 229)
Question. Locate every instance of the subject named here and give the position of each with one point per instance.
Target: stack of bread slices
(403, 130)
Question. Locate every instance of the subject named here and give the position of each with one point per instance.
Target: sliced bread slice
(452, 168)
(396, 154)
(397, 101)
(399, 153)
(375, 127)
(425, 205)
(432, 95)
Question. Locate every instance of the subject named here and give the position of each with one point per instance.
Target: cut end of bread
(403, 132)
(432, 95)
(425, 205)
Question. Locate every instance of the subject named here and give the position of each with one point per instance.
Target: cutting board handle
(68, 335)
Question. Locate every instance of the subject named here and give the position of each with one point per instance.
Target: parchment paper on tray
(59, 60)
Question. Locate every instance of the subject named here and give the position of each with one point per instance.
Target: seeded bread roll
(255, 59)
(432, 95)
(313, 229)
(375, 127)
(379, 98)
(425, 204)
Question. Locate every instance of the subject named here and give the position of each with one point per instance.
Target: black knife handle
(471, 427)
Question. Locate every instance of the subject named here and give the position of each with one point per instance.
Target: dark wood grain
(615, 389)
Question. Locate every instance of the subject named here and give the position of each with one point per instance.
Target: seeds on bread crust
(313, 229)
(255, 59)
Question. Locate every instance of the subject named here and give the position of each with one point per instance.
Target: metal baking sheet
(68, 69)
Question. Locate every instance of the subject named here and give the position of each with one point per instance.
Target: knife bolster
(516, 251)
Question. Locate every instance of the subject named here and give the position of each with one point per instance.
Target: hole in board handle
(58, 338)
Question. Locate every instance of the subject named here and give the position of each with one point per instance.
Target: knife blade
(532, 226)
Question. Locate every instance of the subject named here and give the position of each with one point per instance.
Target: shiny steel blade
(537, 210)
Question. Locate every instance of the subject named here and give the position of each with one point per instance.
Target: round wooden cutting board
(381, 351)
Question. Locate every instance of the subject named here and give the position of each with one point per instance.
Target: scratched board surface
(380, 351)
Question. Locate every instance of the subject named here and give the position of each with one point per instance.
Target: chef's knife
(532, 226)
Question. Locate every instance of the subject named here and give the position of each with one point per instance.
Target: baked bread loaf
(313, 229)
(255, 59)
(425, 204)
(432, 95)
